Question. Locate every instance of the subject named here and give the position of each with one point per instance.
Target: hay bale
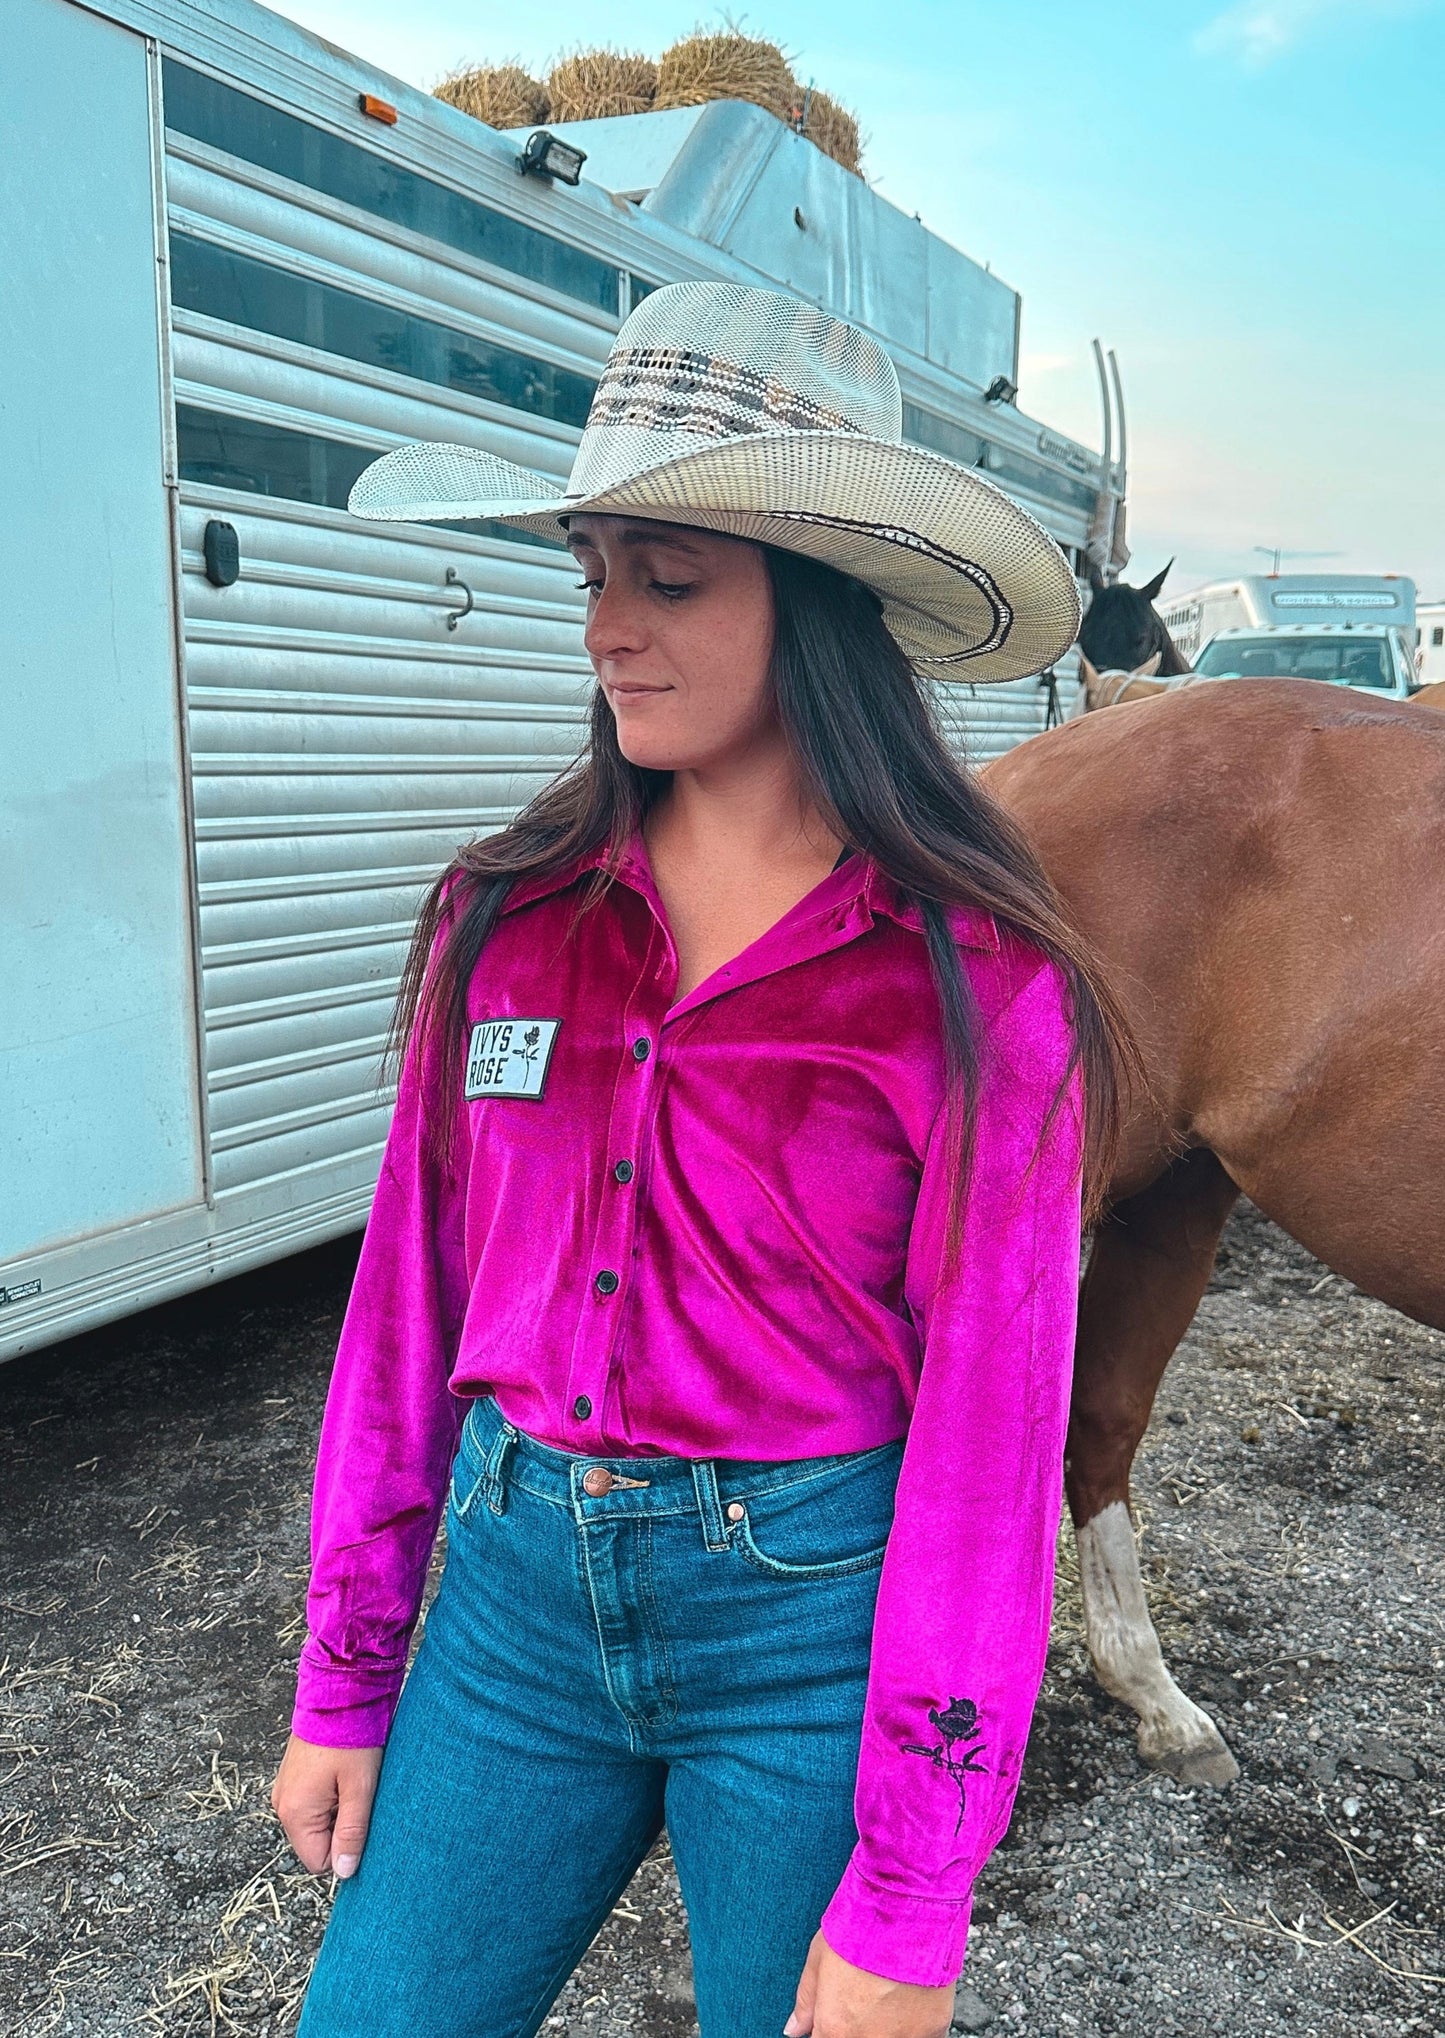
(727, 66)
(502, 95)
(833, 129)
(598, 84)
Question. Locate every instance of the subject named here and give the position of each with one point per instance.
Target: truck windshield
(1343, 661)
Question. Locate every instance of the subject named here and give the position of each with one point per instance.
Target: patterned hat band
(676, 389)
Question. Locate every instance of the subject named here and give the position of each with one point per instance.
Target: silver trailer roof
(733, 175)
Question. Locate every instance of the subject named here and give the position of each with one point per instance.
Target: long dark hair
(881, 776)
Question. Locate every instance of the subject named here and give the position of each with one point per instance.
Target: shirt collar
(859, 882)
(973, 926)
(529, 890)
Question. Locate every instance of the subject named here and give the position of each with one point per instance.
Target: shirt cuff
(338, 1708)
(916, 1939)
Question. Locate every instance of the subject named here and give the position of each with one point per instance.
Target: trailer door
(98, 1087)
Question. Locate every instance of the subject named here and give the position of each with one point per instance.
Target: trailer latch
(222, 549)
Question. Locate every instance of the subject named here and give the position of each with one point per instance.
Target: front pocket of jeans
(467, 1477)
(823, 1528)
(776, 1567)
(466, 1485)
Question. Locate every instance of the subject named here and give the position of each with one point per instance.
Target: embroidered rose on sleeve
(957, 1726)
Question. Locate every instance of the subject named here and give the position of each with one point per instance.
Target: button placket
(613, 1245)
(625, 1135)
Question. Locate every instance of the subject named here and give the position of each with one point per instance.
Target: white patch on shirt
(509, 1057)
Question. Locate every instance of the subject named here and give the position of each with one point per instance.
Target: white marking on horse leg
(1174, 1733)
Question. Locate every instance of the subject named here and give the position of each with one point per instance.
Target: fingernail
(344, 1865)
(793, 2029)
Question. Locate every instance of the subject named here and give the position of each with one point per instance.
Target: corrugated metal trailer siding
(343, 739)
(983, 722)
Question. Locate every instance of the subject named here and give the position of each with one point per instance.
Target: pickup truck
(1371, 656)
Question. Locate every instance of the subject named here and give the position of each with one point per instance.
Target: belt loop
(709, 1506)
(495, 1476)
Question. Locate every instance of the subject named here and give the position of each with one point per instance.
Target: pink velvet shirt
(770, 1282)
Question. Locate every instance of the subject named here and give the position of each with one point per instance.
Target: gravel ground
(154, 1557)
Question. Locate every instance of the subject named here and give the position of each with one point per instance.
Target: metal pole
(1108, 455)
(1108, 461)
(1119, 406)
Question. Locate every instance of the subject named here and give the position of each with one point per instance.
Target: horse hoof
(1211, 1765)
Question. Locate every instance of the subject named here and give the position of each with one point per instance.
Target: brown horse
(1262, 868)
(1431, 696)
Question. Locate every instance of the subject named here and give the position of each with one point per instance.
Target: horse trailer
(245, 729)
(1283, 601)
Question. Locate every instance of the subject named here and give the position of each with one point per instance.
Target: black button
(641, 1049)
(581, 1408)
(623, 1171)
(607, 1282)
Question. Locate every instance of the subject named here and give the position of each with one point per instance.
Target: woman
(721, 1276)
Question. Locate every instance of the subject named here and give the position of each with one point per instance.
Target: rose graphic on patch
(508, 1058)
(958, 1725)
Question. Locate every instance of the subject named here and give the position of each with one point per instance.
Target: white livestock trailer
(242, 729)
(1286, 601)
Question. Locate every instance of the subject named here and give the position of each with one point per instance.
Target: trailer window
(220, 451)
(1010, 467)
(234, 122)
(942, 435)
(246, 292)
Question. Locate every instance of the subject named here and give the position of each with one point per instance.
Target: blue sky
(1247, 202)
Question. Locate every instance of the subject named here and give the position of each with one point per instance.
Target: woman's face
(680, 634)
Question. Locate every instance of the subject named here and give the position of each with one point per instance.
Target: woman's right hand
(322, 1796)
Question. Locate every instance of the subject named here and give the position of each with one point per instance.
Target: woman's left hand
(837, 2000)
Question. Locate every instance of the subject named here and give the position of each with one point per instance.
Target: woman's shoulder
(995, 950)
(1019, 985)
(1003, 961)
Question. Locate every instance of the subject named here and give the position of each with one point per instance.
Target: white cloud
(1255, 32)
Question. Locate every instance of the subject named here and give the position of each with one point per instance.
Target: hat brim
(974, 590)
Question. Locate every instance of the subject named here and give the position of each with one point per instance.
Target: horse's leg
(1148, 1268)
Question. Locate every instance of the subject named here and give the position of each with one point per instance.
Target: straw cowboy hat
(747, 412)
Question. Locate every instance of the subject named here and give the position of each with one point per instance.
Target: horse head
(1106, 689)
(1123, 631)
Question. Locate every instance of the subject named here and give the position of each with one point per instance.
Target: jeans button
(736, 1510)
(597, 1480)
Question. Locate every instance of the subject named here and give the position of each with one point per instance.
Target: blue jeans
(693, 1650)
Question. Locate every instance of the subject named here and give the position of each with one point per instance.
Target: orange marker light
(377, 109)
